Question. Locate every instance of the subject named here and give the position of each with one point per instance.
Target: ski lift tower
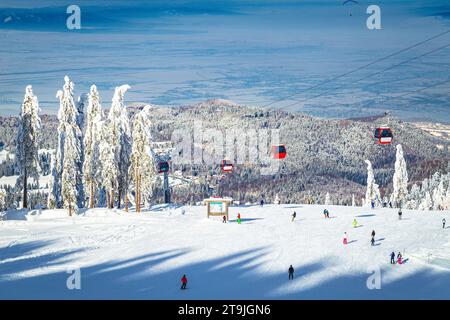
(161, 153)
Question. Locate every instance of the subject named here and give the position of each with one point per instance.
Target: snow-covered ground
(126, 255)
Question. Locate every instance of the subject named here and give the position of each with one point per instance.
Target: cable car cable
(367, 76)
(358, 69)
(412, 92)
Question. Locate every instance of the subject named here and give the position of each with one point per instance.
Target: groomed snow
(125, 255)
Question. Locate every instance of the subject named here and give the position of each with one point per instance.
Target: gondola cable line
(368, 76)
(358, 68)
(383, 134)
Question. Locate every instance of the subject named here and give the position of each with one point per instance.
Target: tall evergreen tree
(141, 162)
(400, 179)
(70, 133)
(91, 167)
(373, 192)
(27, 161)
(108, 160)
(120, 135)
(327, 199)
(69, 185)
(51, 200)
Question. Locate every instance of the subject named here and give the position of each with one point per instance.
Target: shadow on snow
(234, 276)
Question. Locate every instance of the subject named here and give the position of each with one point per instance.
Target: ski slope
(129, 256)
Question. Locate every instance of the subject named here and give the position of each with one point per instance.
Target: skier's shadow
(365, 215)
(359, 226)
(381, 239)
(351, 241)
(246, 219)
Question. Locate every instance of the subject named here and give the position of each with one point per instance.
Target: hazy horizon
(253, 53)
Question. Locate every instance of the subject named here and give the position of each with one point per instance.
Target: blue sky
(251, 52)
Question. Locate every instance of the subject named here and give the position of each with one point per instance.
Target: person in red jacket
(239, 218)
(183, 282)
(345, 241)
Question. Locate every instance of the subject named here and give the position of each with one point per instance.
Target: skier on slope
(372, 242)
(326, 213)
(399, 258)
(400, 214)
(373, 233)
(261, 202)
(373, 204)
(239, 218)
(291, 272)
(443, 223)
(345, 241)
(224, 220)
(184, 282)
(355, 223)
(293, 216)
(392, 257)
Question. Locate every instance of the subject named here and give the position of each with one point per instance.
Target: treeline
(324, 155)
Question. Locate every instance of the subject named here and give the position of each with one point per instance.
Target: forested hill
(324, 155)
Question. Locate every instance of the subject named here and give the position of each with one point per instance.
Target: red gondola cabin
(383, 135)
(227, 166)
(278, 152)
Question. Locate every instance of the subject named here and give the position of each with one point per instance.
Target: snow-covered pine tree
(353, 201)
(68, 125)
(327, 199)
(109, 166)
(121, 141)
(439, 194)
(277, 199)
(373, 192)
(141, 161)
(27, 161)
(3, 205)
(51, 200)
(447, 199)
(91, 165)
(400, 179)
(69, 189)
(124, 160)
(414, 198)
(434, 181)
(55, 192)
(427, 202)
(82, 104)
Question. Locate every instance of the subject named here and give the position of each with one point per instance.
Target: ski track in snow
(143, 256)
